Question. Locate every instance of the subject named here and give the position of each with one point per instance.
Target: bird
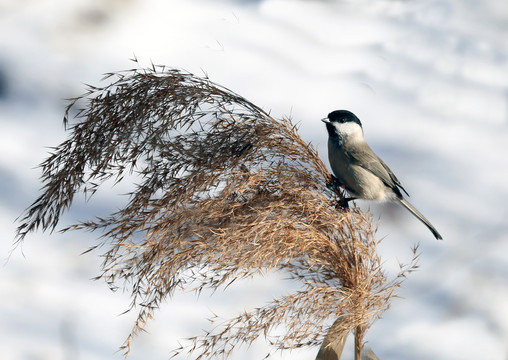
(359, 170)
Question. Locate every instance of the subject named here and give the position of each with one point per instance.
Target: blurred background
(428, 79)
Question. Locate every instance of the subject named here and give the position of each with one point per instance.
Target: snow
(427, 78)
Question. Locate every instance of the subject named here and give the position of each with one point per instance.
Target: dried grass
(226, 192)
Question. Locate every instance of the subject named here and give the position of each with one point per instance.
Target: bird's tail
(420, 217)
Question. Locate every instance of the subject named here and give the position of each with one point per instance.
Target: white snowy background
(428, 79)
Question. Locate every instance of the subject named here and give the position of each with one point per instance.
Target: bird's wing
(392, 176)
(367, 159)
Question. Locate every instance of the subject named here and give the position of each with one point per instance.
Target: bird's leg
(345, 202)
(334, 185)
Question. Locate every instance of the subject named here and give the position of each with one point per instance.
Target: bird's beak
(325, 120)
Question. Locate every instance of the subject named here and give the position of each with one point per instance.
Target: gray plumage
(363, 174)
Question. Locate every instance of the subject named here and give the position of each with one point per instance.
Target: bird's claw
(335, 185)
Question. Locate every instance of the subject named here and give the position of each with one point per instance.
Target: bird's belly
(367, 185)
(359, 182)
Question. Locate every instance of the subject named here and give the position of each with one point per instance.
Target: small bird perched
(358, 169)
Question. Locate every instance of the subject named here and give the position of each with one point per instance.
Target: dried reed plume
(225, 192)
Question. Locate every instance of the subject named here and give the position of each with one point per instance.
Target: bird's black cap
(343, 116)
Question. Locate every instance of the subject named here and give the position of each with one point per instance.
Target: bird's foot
(344, 202)
(335, 185)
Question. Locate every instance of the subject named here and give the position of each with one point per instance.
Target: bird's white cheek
(350, 130)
